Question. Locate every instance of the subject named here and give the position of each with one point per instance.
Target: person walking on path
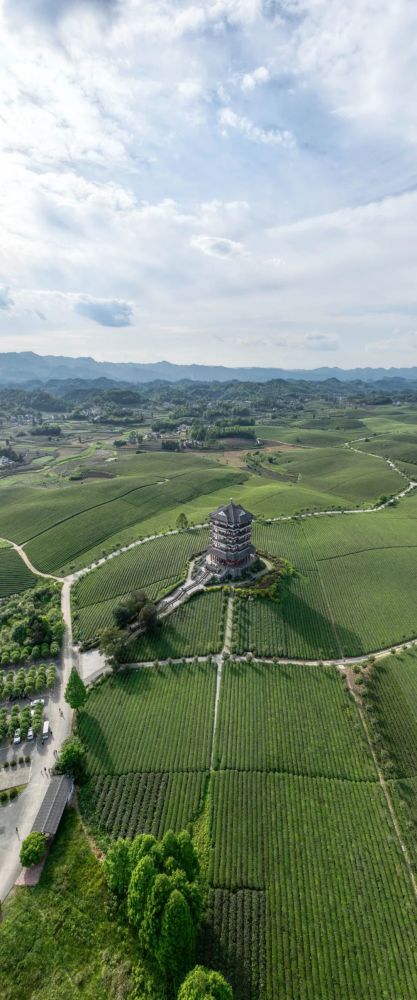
(17, 831)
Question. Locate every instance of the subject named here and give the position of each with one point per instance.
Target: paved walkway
(22, 811)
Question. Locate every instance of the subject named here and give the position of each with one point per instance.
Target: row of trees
(161, 894)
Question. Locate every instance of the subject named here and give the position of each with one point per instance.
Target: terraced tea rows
(14, 575)
(392, 700)
(127, 804)
(194, 629)
(157, 720)
(372, 598)
(311, 896)
(259, 722)
(160, 559)
(154, 566)
(341, 914)
(353, 591)
(234, 939)
(65, 527)
(300, 626)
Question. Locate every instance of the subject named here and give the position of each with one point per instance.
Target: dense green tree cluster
(46, 430)
(27, 681)
(129, 611)
(158, 884)
(31, 625)
(136, 609)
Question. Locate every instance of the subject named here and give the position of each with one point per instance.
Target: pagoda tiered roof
(232, 515)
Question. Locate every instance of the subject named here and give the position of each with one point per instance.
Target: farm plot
(127, 804)
(401, 447)
(53, 549)
(330, 537)
(88, 621)
(341, 917)
(372, 598)
(340, 471)
(82, 519)
(233, 939)
(27, 510)
(289, 718)
(14, 574)
(196, 628)
(302, 436)
(151, 720)
(162, 559)
(392, 699)
(353, 591)
(299, 626)
(287, 539)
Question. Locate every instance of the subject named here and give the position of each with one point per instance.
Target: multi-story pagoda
(230, 550)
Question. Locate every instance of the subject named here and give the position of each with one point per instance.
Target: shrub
(33, 849)
(13, 793)
(202, 983)
(4, 798)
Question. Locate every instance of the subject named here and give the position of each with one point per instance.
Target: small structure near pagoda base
(230, 552)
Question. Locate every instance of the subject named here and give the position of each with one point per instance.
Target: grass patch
(61, 939)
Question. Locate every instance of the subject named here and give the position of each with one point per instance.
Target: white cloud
(321, 342)
(119, 189)
(106, 312)
(189, 89)
(361, 55)
(6, 301)
(217, 246)
(269, 136)
(251, 80)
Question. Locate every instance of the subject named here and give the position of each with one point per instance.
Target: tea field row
(14, 574)
(310, 893)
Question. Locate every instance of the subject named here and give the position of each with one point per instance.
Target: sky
(211, 181)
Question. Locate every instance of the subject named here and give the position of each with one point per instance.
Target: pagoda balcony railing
(231, 546)
(234, 536)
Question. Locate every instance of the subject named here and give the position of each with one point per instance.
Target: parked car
(30, 734)
(16, 737)
(37, 701)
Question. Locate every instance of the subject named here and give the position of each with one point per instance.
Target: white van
(45, 730)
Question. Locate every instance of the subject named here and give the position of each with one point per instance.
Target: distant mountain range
(18, 368)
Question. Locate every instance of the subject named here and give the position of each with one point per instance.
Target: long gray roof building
(57, 794)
